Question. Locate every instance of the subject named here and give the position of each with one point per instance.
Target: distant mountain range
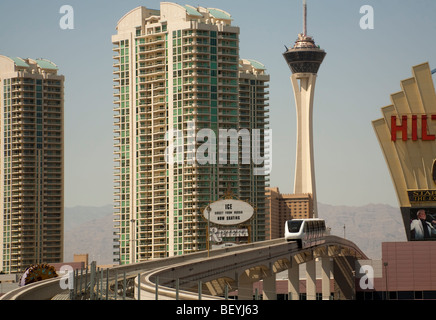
(367, 226)
(90, 229)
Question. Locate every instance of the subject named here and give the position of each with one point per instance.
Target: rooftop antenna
(304, 18)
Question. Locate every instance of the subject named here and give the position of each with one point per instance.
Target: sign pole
(208, 230)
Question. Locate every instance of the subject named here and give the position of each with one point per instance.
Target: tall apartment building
(178, 71)
(282, 207)
(31, 165)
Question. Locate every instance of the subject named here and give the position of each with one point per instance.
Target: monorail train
(307, 232)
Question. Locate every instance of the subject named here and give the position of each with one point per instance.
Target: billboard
(228, 215)
(423, 224)
(228, 212)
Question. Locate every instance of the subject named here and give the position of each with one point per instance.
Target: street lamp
(386, 274)
(132, 241)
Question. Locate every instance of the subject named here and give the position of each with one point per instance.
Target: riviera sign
(217, 235)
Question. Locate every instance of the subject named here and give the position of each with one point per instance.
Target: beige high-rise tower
(31, 163)
(304, 59)
(177, 70)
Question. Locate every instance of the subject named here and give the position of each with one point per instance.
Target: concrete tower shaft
(304, 88)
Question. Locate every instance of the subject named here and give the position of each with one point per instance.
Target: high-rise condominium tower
(178, 71)
(31, 163)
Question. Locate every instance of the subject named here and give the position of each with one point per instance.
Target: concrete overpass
(204, 275)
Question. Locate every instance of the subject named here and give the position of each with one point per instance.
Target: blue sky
(362, 68)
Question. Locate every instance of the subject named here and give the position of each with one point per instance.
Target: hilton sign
(413, 122)
(405, 133)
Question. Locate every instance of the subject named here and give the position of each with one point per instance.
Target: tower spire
(304, 18)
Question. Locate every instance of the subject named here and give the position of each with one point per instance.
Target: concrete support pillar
(245, 287)
(294, 282)
(269, 288)
(326, 265)
(311, 280)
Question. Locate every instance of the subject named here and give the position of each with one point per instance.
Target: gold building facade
(284, 207)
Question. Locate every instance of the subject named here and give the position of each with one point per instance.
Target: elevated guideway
(211, 275)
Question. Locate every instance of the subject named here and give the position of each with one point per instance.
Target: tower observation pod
(304, 60)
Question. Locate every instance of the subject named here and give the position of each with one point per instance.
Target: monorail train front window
(294, 226)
